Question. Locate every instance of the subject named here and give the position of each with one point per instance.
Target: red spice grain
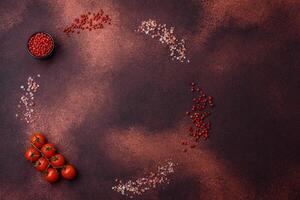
(89, 21)
(200, 128)
(40, 44)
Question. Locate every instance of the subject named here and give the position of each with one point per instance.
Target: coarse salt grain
(139, 186)
(165, 36)
(26, 102)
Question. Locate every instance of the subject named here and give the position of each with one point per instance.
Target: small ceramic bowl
(44, 56)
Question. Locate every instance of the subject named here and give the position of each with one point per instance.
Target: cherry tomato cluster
(45, 159)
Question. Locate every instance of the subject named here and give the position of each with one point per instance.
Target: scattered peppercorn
(89, 22)
(197, 114)
(40, 45)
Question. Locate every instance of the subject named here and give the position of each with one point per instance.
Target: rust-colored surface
(114, 102)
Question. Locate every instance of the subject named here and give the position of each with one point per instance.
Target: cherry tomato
(41, 164)
(48, 150)
(38, 140)
(51, 175)
(32, 154)
(57, 160)
(68, 172)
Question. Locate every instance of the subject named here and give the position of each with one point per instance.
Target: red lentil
(40, 44)
(89, 21)
(197, 114)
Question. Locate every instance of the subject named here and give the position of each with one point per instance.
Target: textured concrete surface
(114, 102)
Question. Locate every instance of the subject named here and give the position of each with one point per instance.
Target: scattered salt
(165, 36)
(26, 102)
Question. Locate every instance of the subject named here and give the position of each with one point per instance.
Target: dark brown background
(113, 101)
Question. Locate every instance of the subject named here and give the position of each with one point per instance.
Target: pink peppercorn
(40, 45)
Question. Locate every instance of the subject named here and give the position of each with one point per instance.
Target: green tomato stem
(49, 164)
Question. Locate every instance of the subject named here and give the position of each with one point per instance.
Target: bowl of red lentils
(40, 45)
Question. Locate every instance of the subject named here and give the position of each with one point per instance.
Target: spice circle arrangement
(40, 45)
(46, 160)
